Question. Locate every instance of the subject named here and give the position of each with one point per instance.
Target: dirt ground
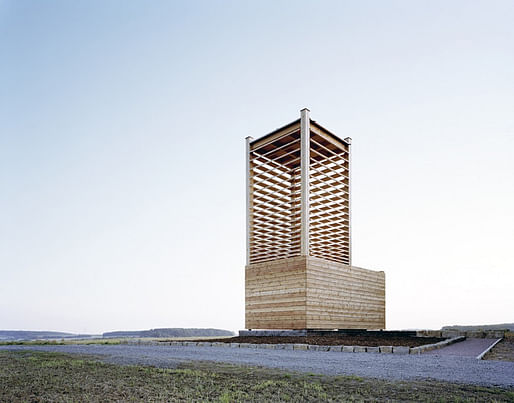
(370, 341)
(504, 350)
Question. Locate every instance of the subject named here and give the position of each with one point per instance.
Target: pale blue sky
(122, 129)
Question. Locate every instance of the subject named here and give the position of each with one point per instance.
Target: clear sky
(122, 127)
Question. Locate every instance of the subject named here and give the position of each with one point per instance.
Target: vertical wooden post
(248, 199)
(349, 142)
(305, 180)
(295, 210)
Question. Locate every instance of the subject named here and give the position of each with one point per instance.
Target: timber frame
(298, 194)
(299, 272)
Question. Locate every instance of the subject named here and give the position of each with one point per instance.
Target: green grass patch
(32, 343)
(60, 342)
(42, 376)
(102, 340)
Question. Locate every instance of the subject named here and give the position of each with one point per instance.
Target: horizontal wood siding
(344, 297)
(313, 293)
(275, 296)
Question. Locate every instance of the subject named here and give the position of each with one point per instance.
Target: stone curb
(477, 334)
(481, 355)
(311, 347)
(435, 346)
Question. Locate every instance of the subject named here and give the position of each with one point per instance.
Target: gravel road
(467, 348)
(386, 366)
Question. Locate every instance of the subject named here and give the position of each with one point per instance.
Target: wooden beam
(349, 142)
(248, 199)
(305, 179)
(285, 131)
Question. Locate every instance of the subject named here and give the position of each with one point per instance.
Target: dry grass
(107, 340)
(42, 376)
(504, 350)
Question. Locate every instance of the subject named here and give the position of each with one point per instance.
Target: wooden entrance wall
(313, 293)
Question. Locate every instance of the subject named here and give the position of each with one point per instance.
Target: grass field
(102, 340)
(42, 376)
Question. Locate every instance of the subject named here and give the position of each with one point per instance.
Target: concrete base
(491, 334)
(253, 333)
(338, 332)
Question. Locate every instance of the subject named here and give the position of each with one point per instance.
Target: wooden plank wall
(313, 293)
(275, 294)
(344, 297)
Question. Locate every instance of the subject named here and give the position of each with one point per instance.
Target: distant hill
(14, 335)
(501, 326)
(22, 335)
(170, 332)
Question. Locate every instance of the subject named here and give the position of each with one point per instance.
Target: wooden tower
(299, 272)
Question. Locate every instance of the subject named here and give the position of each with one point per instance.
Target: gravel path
(387, 366)
(466, 348)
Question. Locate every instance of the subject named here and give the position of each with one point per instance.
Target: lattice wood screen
(274, 180)
(329, 207)
(275, 198)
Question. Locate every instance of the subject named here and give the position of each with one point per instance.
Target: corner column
(349, 142)
(248, 199)
(304, 180)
